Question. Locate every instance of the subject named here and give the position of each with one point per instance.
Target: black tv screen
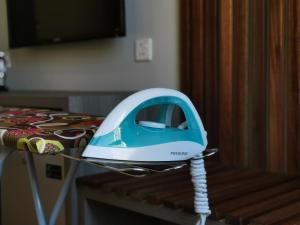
(37, 22)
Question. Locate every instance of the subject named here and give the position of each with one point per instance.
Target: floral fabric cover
(45, 131)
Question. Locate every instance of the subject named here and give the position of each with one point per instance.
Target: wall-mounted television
(38, 22)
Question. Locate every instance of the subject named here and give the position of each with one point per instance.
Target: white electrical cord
(199, 180)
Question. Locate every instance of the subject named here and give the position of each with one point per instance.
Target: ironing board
(43, 131)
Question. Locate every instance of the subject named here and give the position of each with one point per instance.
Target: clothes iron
(122, 137)
(137, 147)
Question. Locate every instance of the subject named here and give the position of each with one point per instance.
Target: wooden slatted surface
(237, 196)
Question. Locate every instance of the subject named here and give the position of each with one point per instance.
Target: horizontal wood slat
(278, 215)
(228, 206)
(244, 214)
(238, 196)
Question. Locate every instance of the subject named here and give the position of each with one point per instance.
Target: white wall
(106, 64)
(3, 26)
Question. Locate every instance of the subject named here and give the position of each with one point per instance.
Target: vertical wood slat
(192, 51)
(227, 154)
(276, 86)
(211, 67)
(293, 88)
(257, 85)
(240, 79)
(185, 46)
(198, 82)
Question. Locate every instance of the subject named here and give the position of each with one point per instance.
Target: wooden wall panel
(211, 68)
(241, 67)
(293, 90)
(185, 47)
(276, 85)
(193, 51)
(256, 86)
(240, 79)
(197, 55)
(225, 82)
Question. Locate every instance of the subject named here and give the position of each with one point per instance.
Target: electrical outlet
(143, 49)
(53, 171)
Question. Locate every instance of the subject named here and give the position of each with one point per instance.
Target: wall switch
(143, 49)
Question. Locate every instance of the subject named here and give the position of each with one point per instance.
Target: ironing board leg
(36, 194)
(63, 193)
(35, 189)
(4, 153)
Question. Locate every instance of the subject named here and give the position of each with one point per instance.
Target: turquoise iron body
(121, 137)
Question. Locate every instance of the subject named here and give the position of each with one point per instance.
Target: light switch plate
(2, 66)
(143, 49)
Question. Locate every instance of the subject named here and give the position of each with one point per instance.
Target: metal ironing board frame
(31, 170)
(5, 152)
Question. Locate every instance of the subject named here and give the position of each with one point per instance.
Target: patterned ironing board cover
(45, 131)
